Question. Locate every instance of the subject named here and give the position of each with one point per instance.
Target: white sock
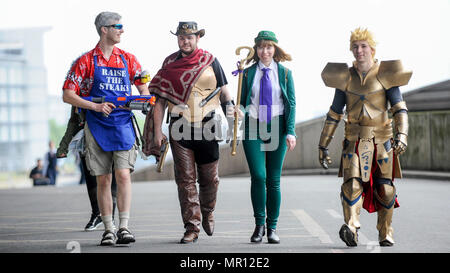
(123, 219)
(108, 222)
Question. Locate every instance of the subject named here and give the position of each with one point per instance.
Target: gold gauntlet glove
(326, 136)
(324, 158)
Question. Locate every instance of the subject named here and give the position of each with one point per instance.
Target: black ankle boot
(272, 236)
(258, 234)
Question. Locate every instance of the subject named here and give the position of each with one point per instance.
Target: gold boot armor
(351, 199)
(385, 195)
(367, 122)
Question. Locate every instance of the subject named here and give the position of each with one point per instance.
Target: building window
(3, 96)
(17, 133)
(15, 75)
(3, 75)
(16, 95)
(17, 114)
(4, 131)
(20, 133)
(4, 114)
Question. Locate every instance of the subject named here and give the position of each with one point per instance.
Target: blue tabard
(115, 132)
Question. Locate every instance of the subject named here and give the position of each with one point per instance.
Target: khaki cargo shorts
(100, 162)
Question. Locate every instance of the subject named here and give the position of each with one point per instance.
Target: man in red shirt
(109, 136)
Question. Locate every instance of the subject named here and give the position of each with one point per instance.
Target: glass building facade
(24, 130)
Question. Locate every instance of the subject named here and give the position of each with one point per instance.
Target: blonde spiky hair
(360, 34)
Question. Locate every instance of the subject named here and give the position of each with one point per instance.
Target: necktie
(265, 97)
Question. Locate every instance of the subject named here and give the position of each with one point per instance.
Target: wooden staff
(238, 99)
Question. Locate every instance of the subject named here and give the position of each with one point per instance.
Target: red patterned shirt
(81, 75)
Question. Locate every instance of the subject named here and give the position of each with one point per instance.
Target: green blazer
(287, 89)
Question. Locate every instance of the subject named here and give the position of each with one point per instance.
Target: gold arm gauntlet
(401, 121)
(329, 128)
(401, 126)
(399, 106)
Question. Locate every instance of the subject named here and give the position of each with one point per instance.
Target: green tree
(56, 131)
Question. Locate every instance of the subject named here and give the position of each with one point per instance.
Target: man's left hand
(399, 147)
(400, 141)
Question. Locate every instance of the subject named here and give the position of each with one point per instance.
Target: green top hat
(266, 35)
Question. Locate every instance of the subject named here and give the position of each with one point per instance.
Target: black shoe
(258, 234)
(124, 237)
(349, 238)
(272, 236)
(94, 222)
(108, 238)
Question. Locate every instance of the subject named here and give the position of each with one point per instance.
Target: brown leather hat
(186, 28)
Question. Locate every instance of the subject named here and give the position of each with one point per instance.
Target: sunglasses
(116, 26)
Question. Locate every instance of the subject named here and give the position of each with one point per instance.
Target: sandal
(124, 236)
(107, 238)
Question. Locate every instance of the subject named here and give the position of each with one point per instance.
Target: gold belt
(354, 131)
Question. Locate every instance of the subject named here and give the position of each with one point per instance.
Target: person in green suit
(268, 97)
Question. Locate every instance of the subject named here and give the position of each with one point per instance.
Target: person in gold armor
(368, 90)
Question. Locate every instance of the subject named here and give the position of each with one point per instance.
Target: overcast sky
(313, 32)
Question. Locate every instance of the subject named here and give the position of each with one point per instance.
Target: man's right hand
(324, 158)
(106, 108)
(159, 139)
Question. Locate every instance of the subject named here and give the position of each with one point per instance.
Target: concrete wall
(428, 148)
(428, 141)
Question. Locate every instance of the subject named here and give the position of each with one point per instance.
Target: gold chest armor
(204, 86)
(366, 99)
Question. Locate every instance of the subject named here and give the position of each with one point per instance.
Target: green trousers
(265, 150)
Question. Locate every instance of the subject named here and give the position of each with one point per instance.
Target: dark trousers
(91, 185)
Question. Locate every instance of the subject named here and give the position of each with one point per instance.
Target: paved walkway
(51, 219)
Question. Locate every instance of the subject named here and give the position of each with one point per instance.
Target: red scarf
(174, 81)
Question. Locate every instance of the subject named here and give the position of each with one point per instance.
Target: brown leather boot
(208, 180)
(190, 236)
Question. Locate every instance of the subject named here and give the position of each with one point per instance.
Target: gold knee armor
(385, 195)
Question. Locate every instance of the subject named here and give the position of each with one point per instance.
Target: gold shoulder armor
(391, 73)
(336, 75)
